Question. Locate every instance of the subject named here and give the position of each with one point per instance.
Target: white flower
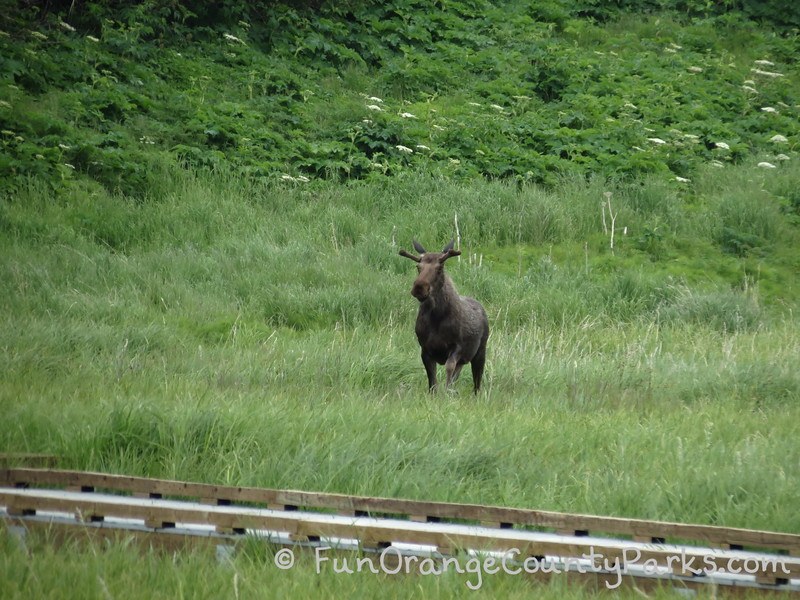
(374, 99)
(630, 105)
(288, 178)
(38, 35)
(766, 165)
(769, 109)
(473, 103)
(70, 166)
(4, 104)
(496, 107)
(366, 121)
(766, 73)
(749, 82)
(438, 127)
(682, 179)
(782, 157)
(404, 149)
(91, 38)
(64, 146)
(302, 179)
(408, 115)
(691, 136)
(455, 161)
(695, 70)
(422, 147)
(716, 163)
(66, 26)
(657, 141)
(39, 157)
(233, 38)
(670, 50)
(778, 139)
(722, 145)
(750, 89)
(676, 46)
(374, 107)
(764, 63)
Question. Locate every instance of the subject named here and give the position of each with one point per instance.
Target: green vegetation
(180, 302)
(514, 90)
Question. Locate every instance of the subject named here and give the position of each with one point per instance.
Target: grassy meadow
(249, 335)
(200, 219)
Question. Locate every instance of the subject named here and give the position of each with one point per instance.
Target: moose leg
(478, 363)
(453, 369)
(430, 369)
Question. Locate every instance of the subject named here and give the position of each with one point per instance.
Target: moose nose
(420, 292)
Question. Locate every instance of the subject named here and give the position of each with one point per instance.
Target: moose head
(430, 266)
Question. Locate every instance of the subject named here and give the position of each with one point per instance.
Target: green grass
(265, 337)
(119, 571)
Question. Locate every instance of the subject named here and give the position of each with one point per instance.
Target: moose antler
(448, 252)
(409, 255)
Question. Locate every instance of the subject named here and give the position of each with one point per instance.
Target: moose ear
(448, 247)
(418, 247)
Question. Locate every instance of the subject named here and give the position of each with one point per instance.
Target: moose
(452, 330)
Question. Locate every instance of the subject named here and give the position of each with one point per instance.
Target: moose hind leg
(478, 363)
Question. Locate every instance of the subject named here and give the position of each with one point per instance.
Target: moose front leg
(430, 369)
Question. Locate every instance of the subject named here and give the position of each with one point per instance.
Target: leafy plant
(519, 92)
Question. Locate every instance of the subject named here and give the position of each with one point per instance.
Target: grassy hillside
(515, 90)
(211, 290)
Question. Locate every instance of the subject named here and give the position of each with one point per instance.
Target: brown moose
(452, 330)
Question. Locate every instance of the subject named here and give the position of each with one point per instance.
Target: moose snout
(420, 291)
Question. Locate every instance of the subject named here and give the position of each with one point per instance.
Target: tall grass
(229, 332)
(119, 572)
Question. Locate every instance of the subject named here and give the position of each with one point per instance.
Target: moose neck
(443, 298)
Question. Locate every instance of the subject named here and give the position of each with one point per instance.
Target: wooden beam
(636, 529)
(377, 533)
